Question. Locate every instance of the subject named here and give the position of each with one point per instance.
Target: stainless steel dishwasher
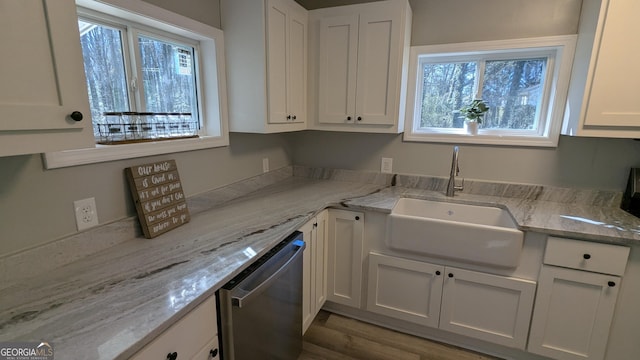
(261, 308)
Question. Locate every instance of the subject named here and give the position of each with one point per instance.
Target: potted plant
(474, 112)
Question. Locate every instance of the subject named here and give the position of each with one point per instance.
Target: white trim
(213, 92)
(102, 153)
(562, 48)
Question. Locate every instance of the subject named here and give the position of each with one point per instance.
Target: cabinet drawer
(186, 337)
(588, 256)
(211, 351)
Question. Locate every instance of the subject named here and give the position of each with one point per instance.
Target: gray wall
(36, 205)
(580, 162)
(576, 162)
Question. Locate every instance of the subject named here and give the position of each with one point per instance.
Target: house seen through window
(142, 86)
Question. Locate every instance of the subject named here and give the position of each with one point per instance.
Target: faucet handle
(459, 188)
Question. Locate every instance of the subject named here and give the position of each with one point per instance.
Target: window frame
(211, 92)
(558, 49)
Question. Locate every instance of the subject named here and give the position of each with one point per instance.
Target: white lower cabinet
(345, 240)
(194, 337)
(405, 289)
(484, 306)
(211, 351)
(314, 270)
(577, 293)
(487, 307)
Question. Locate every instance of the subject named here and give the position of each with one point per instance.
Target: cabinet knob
(288, 117)
(586, 256)
(294, 117)
(450, 275)
(359, 118)
(611, 283)
(172, 356)
(315, 225)
(357, 217)
(348, 118)
(213, 352)
(76, 116)
(438, 272)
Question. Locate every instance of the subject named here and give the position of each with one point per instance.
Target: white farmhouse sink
(471, 233)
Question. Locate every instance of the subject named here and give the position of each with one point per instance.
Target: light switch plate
(386, 165)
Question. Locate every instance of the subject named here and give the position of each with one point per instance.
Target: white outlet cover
(386, 165)
(265, 165)
(86, 213)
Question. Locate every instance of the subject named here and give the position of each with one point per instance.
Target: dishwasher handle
(241, 297)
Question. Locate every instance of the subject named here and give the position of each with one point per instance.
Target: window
(147, 80)
(150, 94)
(524, 83)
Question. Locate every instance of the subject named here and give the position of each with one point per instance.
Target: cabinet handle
(213, 352)
(359, 118)
(357, 217)
(611, 283)
(348, 118)
(586, 256)
(438, 272)
(76, 116)
(172, 356)
(450, 275)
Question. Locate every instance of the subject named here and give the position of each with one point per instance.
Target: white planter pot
(471, 127)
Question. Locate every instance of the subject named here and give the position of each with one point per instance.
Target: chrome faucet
(455, 171)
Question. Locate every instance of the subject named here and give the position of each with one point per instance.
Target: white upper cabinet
(266, 51)
(43, 81)
(358, 61)
(602, 99)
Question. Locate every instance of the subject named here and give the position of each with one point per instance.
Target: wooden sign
(157, 193)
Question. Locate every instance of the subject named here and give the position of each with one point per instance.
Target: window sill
(483, 139)
(102, 153)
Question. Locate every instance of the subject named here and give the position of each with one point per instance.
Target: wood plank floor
(334, 337)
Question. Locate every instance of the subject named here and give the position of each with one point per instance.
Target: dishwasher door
(261, 309)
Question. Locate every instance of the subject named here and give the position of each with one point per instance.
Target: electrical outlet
(265, 165)
(86, 213)
(386, 165)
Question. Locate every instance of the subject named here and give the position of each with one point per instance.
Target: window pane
(513, 90)
(169, 76)
(445, 89)
(104, 69)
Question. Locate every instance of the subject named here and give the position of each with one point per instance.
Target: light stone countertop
(109, 304)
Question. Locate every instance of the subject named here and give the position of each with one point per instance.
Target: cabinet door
(405, 289)
(297, 65)
(612, 99)
(187, 336)
(345, 240)
(487, 307)
(320, 256)
(573, 313)
(42, 78)
(379, 52)
(278, 60)
(338, 62)
(308, 276)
